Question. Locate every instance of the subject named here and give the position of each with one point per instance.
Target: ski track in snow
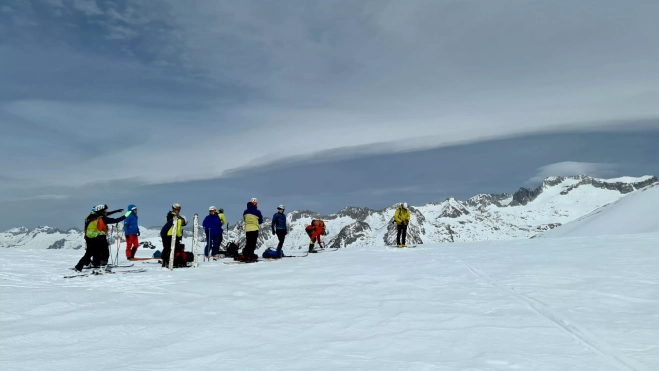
(579, 333)
(375, 308)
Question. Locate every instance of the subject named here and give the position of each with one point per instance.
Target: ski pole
(116, 259)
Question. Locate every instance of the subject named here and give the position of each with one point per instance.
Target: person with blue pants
(213, 227)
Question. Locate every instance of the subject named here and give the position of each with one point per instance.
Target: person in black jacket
(96, 229)
(279, 228)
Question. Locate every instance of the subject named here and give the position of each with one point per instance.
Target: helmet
(220, 210)
(404, 205)
(100, 208)
(281, 207)
(254, 201)
(185, 220)
(212, 208)
(176, 207)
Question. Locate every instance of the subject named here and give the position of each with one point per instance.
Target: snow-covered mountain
(524, 214)
(633, 214)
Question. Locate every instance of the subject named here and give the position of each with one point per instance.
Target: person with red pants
(315, 230)
(132, 231)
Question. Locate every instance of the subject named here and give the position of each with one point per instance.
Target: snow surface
(632, 214)
(581, 304)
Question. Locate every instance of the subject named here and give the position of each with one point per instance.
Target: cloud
(161, 92)
(571, 168)
(88, 7)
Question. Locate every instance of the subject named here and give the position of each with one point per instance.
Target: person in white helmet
(402, 219)
(279, 228)
(96, 230)
(213, 227)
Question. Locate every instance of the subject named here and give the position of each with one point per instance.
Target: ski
(114, 266)
(295, 256)
(156, 262)
(106, 272)
(239, 262)
(327, 250)
(195, 240)
(172, 251)
(139, 259)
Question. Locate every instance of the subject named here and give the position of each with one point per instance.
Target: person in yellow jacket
(167, 232)
(402, 219)
(253, 220)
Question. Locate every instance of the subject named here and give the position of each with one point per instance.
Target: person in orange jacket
(315, 230)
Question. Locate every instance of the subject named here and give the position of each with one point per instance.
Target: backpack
(232, 250)
(318, 223)
(272, 254)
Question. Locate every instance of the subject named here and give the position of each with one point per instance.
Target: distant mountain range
(524, 214)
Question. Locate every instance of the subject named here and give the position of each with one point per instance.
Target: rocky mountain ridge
(524, 214)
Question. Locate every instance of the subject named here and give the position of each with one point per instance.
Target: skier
(402, 219)
(279, 228)
(167, 232)
(132, 231)
(213, 227)
(96, 229)
(220, 212)
(315, 230)
(253, 220)
(181, 257)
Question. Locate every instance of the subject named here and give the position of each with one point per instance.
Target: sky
(315, 104)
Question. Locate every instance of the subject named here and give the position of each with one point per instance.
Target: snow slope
(574, 304)
(636, 213)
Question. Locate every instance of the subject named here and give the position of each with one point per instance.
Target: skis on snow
(170, 264)
(101, 273)
(110, 266)
(195, 240)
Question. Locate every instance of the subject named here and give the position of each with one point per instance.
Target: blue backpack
(272, 254)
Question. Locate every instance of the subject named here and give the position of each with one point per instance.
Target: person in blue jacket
(213, 227)
(279, 228)
(132, 231)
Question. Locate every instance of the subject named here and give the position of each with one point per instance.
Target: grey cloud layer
(95, 91)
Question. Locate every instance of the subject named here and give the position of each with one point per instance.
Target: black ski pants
(167, 248)
(402, 230)
(281, 235)
(92, 252)
(250, 243)
(103, 250)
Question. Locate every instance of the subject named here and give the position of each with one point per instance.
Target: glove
(273, 232)
(138, 233)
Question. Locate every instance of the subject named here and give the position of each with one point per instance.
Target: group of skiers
(96, 229)
(97, 251)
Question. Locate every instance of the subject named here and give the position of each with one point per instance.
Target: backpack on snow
(272, 254)
(232, 250)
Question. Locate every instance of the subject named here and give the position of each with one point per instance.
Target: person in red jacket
(315, 230)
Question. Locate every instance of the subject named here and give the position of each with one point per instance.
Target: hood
(251, 205)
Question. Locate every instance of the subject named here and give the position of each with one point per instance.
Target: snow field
(543, 304)
(632, 214)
